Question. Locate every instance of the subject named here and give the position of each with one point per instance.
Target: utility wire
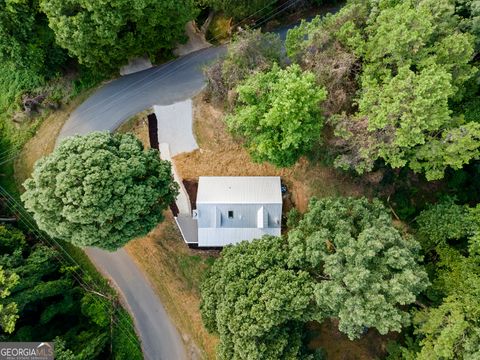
(81, 279)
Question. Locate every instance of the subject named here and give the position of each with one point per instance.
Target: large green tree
(448, 326)
(367, 269)
(99, 190)
(254, 303)
(412, 62)
(26, 40)
(451, 330)
(416, 62)
(107, 34)
(278, 114)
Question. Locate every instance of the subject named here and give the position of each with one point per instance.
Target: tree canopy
(26, 40)
(249, 52)
(106, 35)
(368, 268)
(412, 62)
(343, 260)
(278, 114)
(44, 300)
(254, 303)
(99, 190)
(8, 310)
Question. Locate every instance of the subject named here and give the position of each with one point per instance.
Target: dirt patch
(191, 186)
(138, 125)
(175, 272)
(220, 155)
(372, 345)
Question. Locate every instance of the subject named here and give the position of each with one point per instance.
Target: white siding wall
(213, 237)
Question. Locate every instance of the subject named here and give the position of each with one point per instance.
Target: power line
(265, 18)
(26, 219)
(13, 153)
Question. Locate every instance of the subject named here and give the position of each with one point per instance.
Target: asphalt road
(106, 109)
(124, 97)
(160, 338)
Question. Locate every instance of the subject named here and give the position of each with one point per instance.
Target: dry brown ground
(220, 155)
(43, 142)
(372, 345)
(175, 272)
(172, 268)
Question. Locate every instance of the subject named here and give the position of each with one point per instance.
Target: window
(230, 214)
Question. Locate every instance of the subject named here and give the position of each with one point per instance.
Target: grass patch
(36, 138)
(43, 140)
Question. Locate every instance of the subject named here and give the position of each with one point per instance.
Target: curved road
(106, 109)
(124, 97)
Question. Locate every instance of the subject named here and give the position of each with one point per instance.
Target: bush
(278, 115)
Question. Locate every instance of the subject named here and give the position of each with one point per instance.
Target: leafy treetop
(278, 114)
(105, 35)
(99, 190)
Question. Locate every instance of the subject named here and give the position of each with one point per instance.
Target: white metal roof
(239, 190)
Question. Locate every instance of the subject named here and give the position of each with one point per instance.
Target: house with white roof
(230, 209)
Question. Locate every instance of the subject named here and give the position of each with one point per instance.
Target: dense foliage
(99, 190)
(416, 65)
(450, 327)
(46, 302)
(26, 40)
(107, 35)
(368, 268)
(344, 260)
(254, 303)
(277, 115)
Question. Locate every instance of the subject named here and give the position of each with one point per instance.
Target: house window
(230, 214)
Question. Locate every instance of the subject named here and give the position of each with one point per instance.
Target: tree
(254, 303)
(446, 224)
(322, 47)
(26, 40)
(278, 115)
(452, 330)
(8, 311)
(367, 269)
(343, 260)
(107, 35)
(441, 223)
(99, 190)
(416, 63)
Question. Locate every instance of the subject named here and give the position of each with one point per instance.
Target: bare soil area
(43, 142)
(338, 347)
(176, 272)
